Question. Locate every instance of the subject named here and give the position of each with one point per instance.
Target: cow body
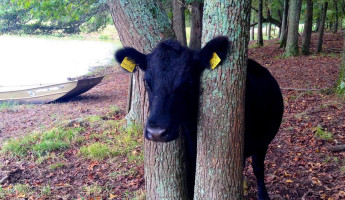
(172, 78)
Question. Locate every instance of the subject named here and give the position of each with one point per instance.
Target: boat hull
(48, 93)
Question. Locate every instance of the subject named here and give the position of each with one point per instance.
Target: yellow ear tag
(128, 64)
(215, 60)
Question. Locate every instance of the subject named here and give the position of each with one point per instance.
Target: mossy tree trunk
(308, 25)
(221, 122)
(260, 39)
(196, 29)
(179, 24)
(322, 28)
(340, 83)
(142, 26)
(291, 48)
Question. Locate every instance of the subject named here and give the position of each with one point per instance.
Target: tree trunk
(291, 48)
(308, 25)
(196, 29)
(322, 28)
(260, 40)
(318, 22)
(284, 20)
(340, 83)
(252, 32)
(179, 24)
(269, 30)
(165, 171)
(220, 134)
(335, 3)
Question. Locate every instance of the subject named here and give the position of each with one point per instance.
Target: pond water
(27, 61)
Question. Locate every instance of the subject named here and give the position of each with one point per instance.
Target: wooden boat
(41, 94)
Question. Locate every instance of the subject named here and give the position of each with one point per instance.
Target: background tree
(196, 24)
(308, 25)
(166, 180)
(291, 48)
(178, 20)
(322, 28)
(220, 134)
(260, 40)
(336, 16)
(340, 83)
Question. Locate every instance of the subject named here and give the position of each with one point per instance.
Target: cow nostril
(156, 132)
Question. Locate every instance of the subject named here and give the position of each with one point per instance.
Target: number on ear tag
(128, 64)
(215, 60)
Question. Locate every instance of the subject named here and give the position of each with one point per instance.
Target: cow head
(172, 75)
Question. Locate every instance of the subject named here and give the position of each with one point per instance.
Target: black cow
(172, 78)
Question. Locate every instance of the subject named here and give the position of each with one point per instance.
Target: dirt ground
(298, 163)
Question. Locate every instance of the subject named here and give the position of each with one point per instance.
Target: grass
(46, 190)
(40, 144)
(93, 190)
(7, 106)
(323, 135)
(96, 151)
(57, 165)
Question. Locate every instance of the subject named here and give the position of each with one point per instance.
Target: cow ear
(129, 57)
(214, 52)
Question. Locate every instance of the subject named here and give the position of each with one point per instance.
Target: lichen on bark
(221, 120)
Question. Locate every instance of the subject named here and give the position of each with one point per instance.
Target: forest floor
(78, 149)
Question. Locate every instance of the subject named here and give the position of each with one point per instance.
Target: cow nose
(155, 133)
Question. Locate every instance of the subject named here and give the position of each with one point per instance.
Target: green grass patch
(96, 151)
(58, 165)
(40, 144)
(94, 118)
(323, 135)
(93, 190)
(8, 106)
(46, 190)
(23, 189)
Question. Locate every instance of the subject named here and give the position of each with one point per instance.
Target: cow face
(172, 75)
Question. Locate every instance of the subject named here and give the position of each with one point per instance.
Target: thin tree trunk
(284, 20)
(291, 48)
(269, 30)
(179, 24)
(252, 31)
(322, 28)
(220, 134)
(335, 3)
(308, 25)
(318, 22)
(165, 170)
(340, 83)
(260, 40)
(196, 29)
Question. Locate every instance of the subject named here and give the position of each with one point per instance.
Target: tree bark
(179, 24)
(318, 22)
(260, 40)
(335, 4)
(269, 30)
(252, 31)
(196, 29)
(340, 83)
(220, 134)
(308, 25)
(291, 48)
(143, 26)
(322, 28)
(284, 20)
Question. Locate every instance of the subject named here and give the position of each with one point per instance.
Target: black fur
(172, 79)
(133, 54)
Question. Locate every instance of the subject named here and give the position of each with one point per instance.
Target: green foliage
(321, 134)
(49, 16)
(57, 165)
